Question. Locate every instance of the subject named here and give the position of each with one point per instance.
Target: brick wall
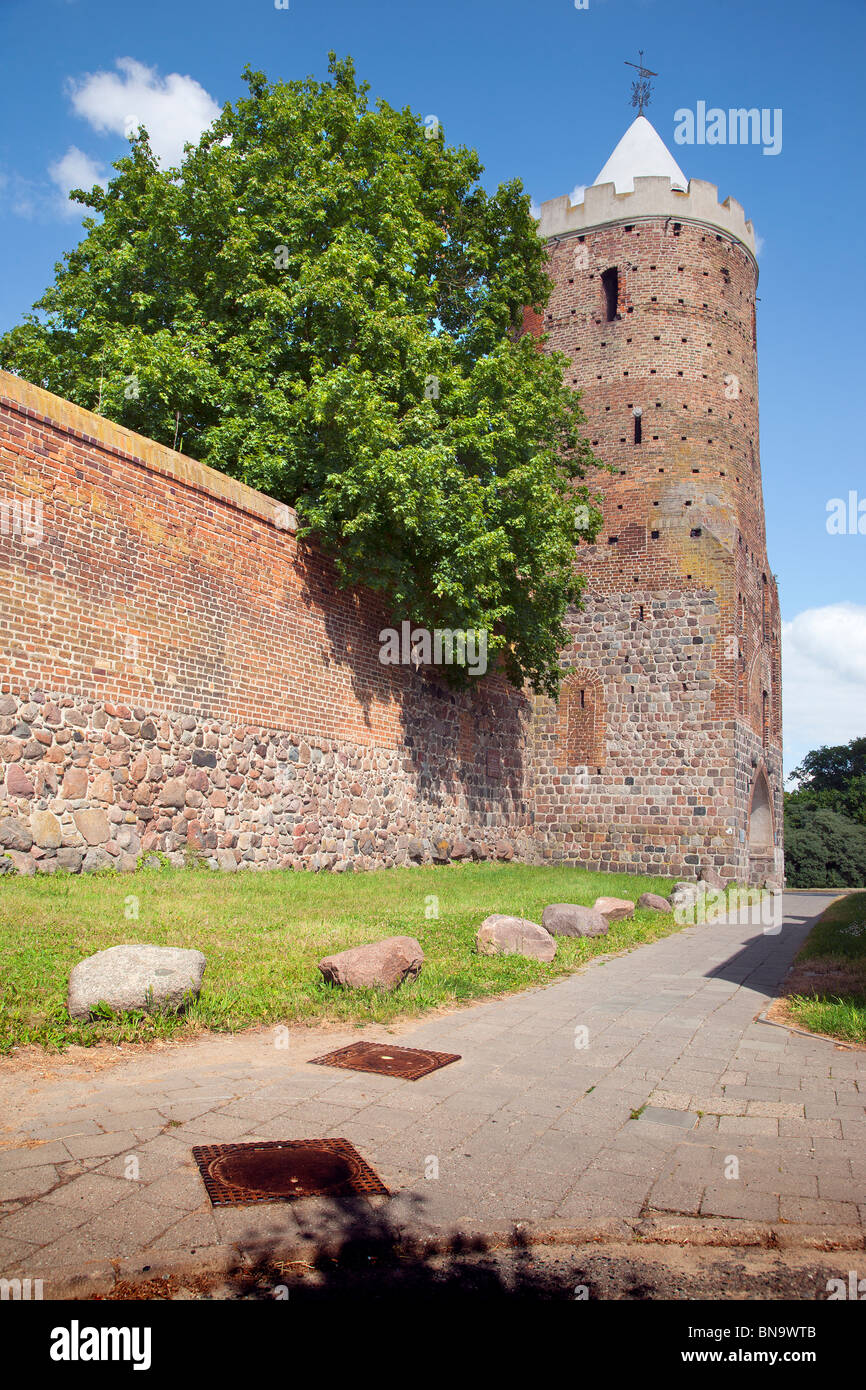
(179, 672)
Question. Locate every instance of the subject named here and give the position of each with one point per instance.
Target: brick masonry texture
(180, 673)
(677, 649)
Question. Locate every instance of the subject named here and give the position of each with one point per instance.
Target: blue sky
(541, 91)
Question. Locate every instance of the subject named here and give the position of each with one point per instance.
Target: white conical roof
(641, 152)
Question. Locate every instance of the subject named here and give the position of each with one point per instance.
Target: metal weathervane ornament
(641, 88)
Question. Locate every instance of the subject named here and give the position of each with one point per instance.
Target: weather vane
(640, 89)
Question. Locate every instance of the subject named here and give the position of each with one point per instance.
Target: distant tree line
(825, 819)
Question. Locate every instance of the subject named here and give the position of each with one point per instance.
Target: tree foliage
(825, 818)
(823, 849)
(324, 302)
(835, 777)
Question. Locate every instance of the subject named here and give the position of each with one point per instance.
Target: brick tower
(664, 752)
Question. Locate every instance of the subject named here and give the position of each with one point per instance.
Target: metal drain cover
(237, 1175)
(410, 1063)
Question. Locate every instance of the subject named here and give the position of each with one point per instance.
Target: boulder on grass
(713, 879)
(135, 977)
(685, 895)
(572, 919)
(614, 909)
(383, 964)
(654, 901)
(501, 935)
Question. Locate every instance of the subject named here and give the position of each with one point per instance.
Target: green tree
(823, 849)
(323, 302)
(834, 777)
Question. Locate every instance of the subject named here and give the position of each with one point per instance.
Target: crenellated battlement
(652, 197)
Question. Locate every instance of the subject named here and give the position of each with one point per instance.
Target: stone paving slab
(681, 1108)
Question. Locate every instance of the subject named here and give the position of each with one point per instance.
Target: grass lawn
(262, 934)
(826, 990)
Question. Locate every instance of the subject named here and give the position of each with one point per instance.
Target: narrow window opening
(638, 421)
(610, 285)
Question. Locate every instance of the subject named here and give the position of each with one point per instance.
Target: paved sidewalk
(527, 1128)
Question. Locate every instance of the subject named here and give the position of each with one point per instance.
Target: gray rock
(501, 935)
(573, 919)
(15, 834)
(685, 895)
(135, 977)
(6, 865)
(713, 879)
(415, 849)
(69, 859)
(383, 964)
(97, 858)
(128, 839)
(654, 901)
(614, 909)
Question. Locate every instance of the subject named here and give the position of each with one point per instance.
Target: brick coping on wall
(40, 405)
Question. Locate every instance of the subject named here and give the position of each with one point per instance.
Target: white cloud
(74, 169)
(173, 109)
(534, 209)
(824, 678)
(577, 194)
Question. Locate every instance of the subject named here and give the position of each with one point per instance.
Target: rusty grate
(409, 1063)
(237, 1175)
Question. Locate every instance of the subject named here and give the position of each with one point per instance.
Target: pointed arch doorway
(761, 832)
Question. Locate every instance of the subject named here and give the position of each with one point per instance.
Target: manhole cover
(236, 1175)
(410, 1063)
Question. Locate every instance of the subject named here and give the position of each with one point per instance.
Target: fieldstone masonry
(97, 786)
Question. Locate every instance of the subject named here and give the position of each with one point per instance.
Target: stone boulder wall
(572, 919)
(135, 977)
(87, 786)
(501, 935)
(379, 965)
